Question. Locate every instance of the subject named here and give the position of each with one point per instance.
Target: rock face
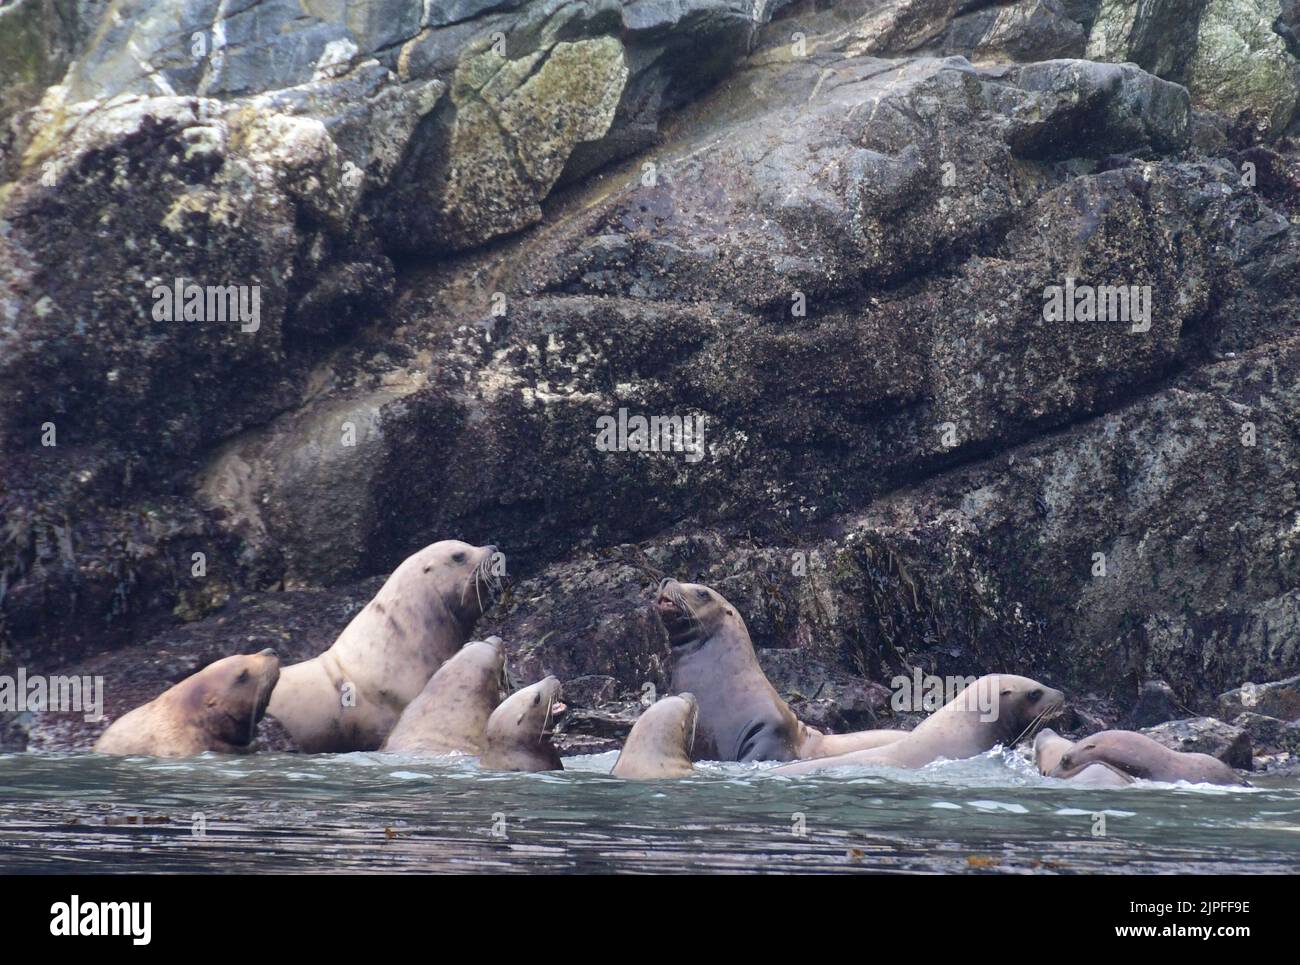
(974, 354)
(1279, 698)
(1233, 55)
(1268, 734)
(268, 160)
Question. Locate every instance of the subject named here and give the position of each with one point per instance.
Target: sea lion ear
(731, 613)
(428, 567)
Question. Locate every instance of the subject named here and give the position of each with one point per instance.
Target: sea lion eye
(1035, 695)
(702, 594)
(243, 676)
(458, 557)
(537, 699)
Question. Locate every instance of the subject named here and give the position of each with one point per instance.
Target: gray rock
(1206, 735)
(1227, 53)
(590, 690)
(602, 723)
(1025, 31)
(830, 698)
(1156, 703)
(1279, 698)
(1268, 735)
(920, 469)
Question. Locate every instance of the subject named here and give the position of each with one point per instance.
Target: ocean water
(382, 813)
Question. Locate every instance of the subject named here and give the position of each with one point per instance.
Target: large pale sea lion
(741, 716)
(1050, 747)
(659, 746)
(216, 709)
(450, 714)
(1139, 756)
(518, 735)
(350, 697)
(995, 709)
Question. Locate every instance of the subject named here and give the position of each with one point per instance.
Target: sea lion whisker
(1032, 724)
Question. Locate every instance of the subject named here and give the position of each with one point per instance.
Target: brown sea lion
(1049, 747)
(995, 709)
(350, 697)
(659, 746)
(741, 716)
(450, 714)
(1141, 757)
(518, 736)
(216, 709)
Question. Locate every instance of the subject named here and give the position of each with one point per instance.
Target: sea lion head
(1049, 747)
(518, 734)
(1101, 748)
(691, 612)
(1022, 704)
(229, 697)
(467, 578)
(1075, 759)
(484, 659)
(670, 723)
(661, 741)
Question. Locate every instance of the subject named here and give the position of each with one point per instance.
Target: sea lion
(741, 716)
(450, 714)
(659, 746)
(1141, 757)
(517, 737)
(995, 709)
(1049, 747)
(349, 697)
(216, 709)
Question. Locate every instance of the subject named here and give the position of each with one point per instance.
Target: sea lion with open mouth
(741, 716)
(216, 709)
(1050, 747)
(659, 746)
(995, 709)
(350, 697)
(451, 713)
(518, 734)
(1139, 756)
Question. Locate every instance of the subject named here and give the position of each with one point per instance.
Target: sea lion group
(404, 678)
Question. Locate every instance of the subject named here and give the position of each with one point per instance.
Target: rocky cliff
(988, 312)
